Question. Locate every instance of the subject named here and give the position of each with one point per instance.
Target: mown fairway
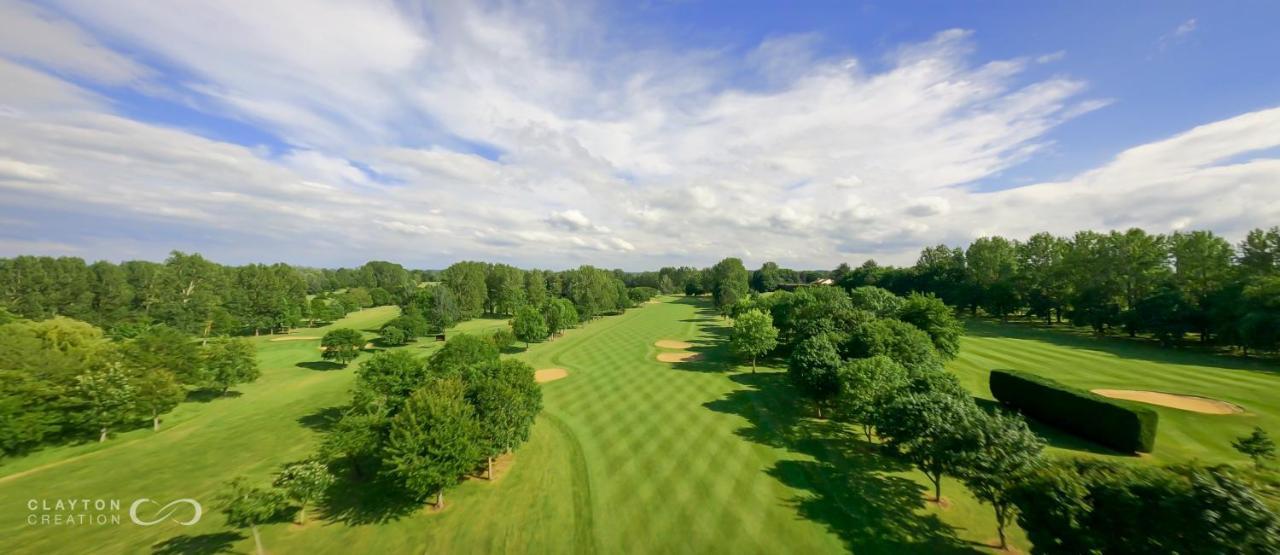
(1091, 363)
(630, 455)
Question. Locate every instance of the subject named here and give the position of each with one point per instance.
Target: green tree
(246, 506)
(466, 280)
(231, 361)
(393, 336)
(304, 483)
(462, 352)
(935, 431)
(506, 400)
(1257, 446)
(109, 397)
(165, 348)
(529, 325)
(935, 318)
(753, 335)
(767, 278)
(814, 368)
(434, 440)
(881, 302)
(867, 384)
(342, 345)
(728, 283)
(158, 392)
(1006, 454)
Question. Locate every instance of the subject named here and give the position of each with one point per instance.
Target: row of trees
(63, 380)
(422, 425)
(872, 358)
(1168, 286)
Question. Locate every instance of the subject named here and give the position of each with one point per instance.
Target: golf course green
(630, 454)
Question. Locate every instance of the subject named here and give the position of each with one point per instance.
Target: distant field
(1110, 363)
(630, 455)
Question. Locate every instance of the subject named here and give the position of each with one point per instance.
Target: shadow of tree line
(850, 485)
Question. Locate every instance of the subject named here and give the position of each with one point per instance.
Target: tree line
(1192, 283)
(874, 359)
(63, 380)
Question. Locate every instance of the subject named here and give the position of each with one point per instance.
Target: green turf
(630, 454)
(1112, 363)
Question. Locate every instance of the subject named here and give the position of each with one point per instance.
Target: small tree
(529, 325)
(753, 335)
(1007, 453)
(304, 483)
(246, 506)
(813, 368)
(933, 430)
(1257, 446)
(502, 338)
(109, 397)
(158, 392)
(866, 384)
(394, 336)
(230, 362)
(342, 345)
(433, 441)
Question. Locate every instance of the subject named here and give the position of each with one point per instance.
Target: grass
(629, 455)
(1091, 363)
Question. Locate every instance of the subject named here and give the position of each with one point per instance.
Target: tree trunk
(753, 365)
(867, 430)
(490, 473)
(302, 514)
(155, 421)
(103, 435)
(439, 500)
(1000, 527)
(937, 487)
(257, 540)
(819, 410)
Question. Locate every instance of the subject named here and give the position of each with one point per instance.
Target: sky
(626, 135)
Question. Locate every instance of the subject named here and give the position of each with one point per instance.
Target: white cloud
(526, 134)
(29, 34)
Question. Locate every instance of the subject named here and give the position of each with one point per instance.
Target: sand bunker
(549, 374)
(299, 338)
(669, 344)
(678, 357)
(1192, 403)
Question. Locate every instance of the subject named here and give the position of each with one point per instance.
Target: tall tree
(434, 440)
(814, 369)
(753, 335)
(1006, 455)
(529, 325)
(936, 431)
(304, 483)
(109, 397)
(466, 280)
(231, 361)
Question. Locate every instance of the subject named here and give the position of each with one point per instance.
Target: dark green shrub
(1121, 426)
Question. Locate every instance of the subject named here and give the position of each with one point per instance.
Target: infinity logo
(165, 512)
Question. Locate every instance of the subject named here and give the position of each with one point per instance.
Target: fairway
(1112, 363)
(631, 454)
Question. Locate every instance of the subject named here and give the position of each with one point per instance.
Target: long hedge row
(1117, 425)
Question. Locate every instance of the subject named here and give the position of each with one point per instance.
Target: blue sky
(627, 135)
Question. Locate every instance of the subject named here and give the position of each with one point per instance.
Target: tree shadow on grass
(320, 365)
(203, 544)
(356, 502)
(210, 395)
(323, 419)
(850, 483)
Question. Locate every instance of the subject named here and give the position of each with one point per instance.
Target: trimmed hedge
(1118, 425)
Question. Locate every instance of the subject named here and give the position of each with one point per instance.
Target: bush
(1118, 425)
(503, 339)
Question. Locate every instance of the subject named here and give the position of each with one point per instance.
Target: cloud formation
(525, 134)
